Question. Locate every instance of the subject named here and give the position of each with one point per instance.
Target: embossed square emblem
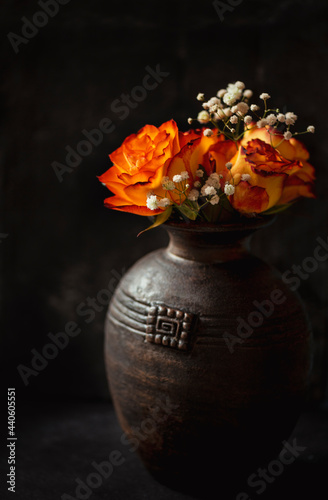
(169, 327)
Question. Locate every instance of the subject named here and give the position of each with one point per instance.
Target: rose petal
(249, 199)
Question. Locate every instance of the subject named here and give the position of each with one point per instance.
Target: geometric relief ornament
(170, 327)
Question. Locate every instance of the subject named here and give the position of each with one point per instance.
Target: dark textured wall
(62, 245)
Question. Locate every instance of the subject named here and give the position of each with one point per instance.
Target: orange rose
(195, 148)
(301, 181)
(218, 156)
(260, 174)
(153, 153)
(266, 170)
(139, 167)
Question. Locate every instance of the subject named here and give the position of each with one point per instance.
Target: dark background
(62, 244)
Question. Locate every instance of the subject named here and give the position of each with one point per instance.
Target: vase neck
(209, 243)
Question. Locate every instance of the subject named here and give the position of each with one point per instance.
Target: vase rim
(249, 224)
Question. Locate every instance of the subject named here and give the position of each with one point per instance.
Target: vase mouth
(247, 224)
(210, 243)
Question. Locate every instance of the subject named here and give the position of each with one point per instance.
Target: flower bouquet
(203, 325)
(244, 161)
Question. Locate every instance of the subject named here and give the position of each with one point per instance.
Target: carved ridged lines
(132, 314)
(129, 312)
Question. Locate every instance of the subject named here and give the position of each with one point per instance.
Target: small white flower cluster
(209, 190)
(153, 203)
(231, 106)
(178, 184)
(225, 107)
(229, 189)
(206, 190)
(211, 187)
(273, 119)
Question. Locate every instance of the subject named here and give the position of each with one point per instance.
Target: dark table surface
(57, 443)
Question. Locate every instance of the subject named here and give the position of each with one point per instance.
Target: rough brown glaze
(209, 409)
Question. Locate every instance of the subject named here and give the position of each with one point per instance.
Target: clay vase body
(207, 356)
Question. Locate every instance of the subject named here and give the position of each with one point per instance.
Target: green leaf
(212, 212)
(276, 210)
(189, 212)
(160, 219)
(225, 203)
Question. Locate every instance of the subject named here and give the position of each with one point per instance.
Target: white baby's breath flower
(242, 108)
(288, 135)
(245, 177)
(205, 105)
(248, 119)
(167, 184)
(197, 184)
(234, 119)
(152, 202)
(213, 108)
(228, 165)
(248, 93)
(232, 95)
(311, 129)
(177, 178)
(193, 195)
(281, 117)
(200, 97)
(219, 114)
(213, 101)
(264, 96)
(215, 200)
(290, 118)
(190, 120)
(208, 190)
(229, 189)
(221, 93)
(199, 172)
(214, 180)
(240, 85)
(184, 175)
(208, 132)
(255, 107)
(261, 123)
(223, 113)
(164, 202)
(271, 119)
(203, 117)
(227, 111)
